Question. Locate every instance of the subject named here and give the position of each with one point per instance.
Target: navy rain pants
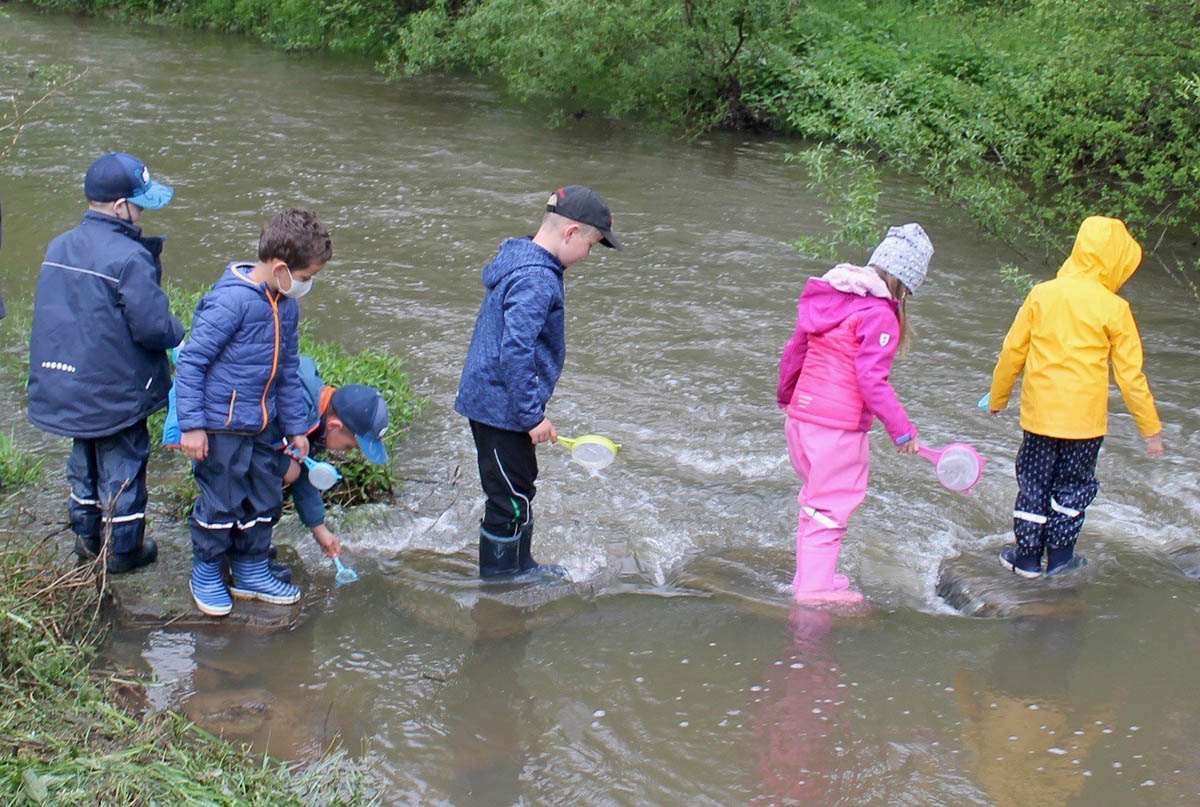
(241, 496)
(1057, 481)
(108, 484)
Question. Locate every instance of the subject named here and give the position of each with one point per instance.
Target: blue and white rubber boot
(252, 580)
(208, 588)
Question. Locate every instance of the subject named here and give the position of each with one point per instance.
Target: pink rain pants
(834, 465)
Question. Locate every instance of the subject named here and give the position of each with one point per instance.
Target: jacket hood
(1104, 251)
(238, 279)
(823, 308)
(516, 254)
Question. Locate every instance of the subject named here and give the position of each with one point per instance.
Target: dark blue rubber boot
(143, 555)
(1024, 565)
(87, 548)
(1061, 561)
(281, 572)
(525, 558)
(497, 556)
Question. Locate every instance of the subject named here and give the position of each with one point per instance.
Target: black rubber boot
(144, 555)
(525, 559)
(497, 556)
(87, 548)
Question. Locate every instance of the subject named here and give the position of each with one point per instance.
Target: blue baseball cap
(365, 413)
(123, 176)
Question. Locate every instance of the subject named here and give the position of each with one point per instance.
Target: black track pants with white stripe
(508, 472)
(1057, 481)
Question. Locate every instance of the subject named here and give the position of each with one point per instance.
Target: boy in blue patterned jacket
(238, 392)
(515, 358)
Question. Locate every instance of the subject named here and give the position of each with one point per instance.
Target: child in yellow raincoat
(1063, 338)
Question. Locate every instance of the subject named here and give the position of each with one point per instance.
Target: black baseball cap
(581, 203)
(123, 176)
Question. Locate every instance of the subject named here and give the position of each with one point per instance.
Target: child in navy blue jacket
(515, 359)
(98, 364)
(238, 393)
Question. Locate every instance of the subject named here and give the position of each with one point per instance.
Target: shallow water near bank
(669, 668)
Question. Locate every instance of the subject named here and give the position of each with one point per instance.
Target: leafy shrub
(1028, 114)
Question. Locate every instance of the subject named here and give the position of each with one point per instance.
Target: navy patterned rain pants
(1057, 481)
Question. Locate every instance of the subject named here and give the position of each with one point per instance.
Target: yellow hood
(1103, 250)
(1068, 332)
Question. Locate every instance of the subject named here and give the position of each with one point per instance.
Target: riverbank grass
(18, 468)
(68, 737)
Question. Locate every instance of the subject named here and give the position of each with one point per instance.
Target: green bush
(1027, 114)
(849, 183)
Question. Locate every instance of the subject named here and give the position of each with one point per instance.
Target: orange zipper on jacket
(274, 359)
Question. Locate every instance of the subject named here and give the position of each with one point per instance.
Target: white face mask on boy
(298, 288)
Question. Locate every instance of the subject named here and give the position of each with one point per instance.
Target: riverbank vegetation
(18, 467)
(1028, 114)
(71, 734)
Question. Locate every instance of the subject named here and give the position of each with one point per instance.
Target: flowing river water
(670, 670)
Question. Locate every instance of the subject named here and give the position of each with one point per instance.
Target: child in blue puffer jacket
(238, 392)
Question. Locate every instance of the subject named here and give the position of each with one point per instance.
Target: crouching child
(353, 416)
(238, 394)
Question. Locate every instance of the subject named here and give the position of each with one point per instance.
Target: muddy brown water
(670, 670)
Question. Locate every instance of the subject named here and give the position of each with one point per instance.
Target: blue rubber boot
(497, 556)
(525, 560)
(208, 588)
(1024, 565)
(1061, 561)
(278, 569)
(252, 580)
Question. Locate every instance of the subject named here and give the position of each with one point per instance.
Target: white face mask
(298, 288)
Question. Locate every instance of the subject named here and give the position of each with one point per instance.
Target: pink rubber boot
(816, 581)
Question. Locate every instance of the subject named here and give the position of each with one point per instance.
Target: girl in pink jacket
(833, 381)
